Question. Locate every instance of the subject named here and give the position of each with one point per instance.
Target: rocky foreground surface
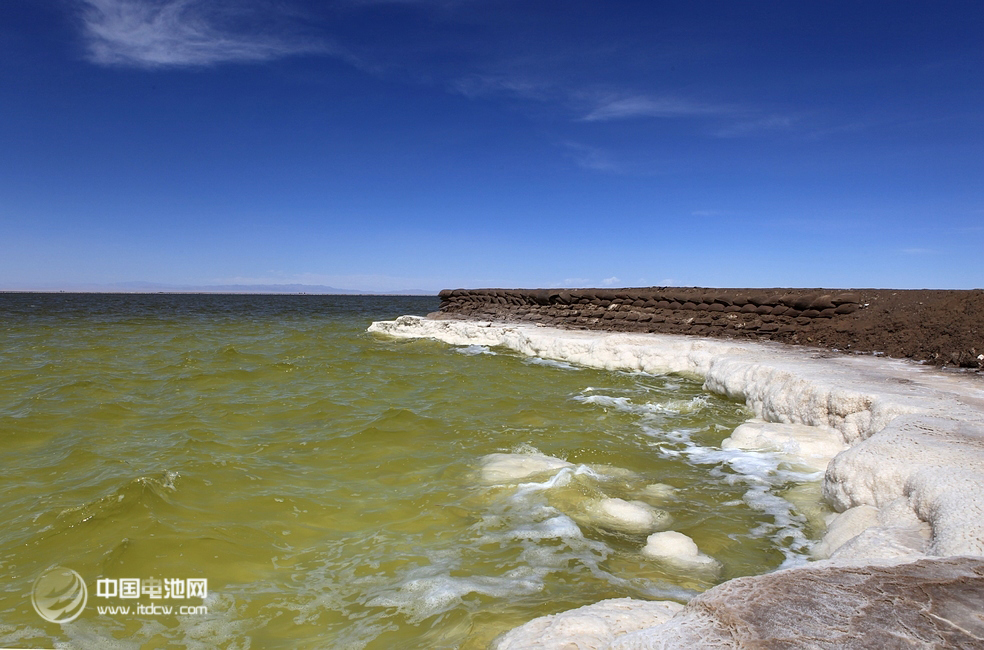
(932, 603)
(945, 328)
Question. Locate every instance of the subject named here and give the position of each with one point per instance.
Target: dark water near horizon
(326, 483)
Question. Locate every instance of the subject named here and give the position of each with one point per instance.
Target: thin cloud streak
(592, 158)
(621, 108)
(753, 127)
(483, 85)
(179, 33)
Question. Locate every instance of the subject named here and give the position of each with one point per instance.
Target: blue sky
(385, 145)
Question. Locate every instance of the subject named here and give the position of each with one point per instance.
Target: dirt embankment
(942, 327)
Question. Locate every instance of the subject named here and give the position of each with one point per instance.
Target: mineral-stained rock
(930, 603)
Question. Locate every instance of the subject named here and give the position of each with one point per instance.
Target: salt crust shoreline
(909, 484)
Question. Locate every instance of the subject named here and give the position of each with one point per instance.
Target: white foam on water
(763, 475)
(223, 626)
(431, 590)
(626, 405)
(472, 350)
(545, 518)
(537, 361)
(556, 527)
(550, 540)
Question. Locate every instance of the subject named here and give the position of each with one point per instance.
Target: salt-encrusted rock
(930, 603)
(678, 550)
(497, 469)
(591, 626)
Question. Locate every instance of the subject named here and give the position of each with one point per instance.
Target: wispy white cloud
(592, 158)
(619, 108)
(743, 128)
(162, 33)
(594, 104)
(729, 120)
(608, 282)
(483, 85)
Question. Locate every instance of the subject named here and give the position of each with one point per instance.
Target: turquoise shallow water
(327, 482)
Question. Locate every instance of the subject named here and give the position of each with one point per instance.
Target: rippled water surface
(327, 482)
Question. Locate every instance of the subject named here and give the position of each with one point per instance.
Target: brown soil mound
(942, 327)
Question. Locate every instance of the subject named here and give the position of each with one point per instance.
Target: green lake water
(326, 481)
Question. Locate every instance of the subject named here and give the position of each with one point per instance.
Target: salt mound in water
(678, 550)
(659, 491)
(813, 447)
(626, 516)
(497, 469)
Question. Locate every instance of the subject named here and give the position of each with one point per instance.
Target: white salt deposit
(844, 527)
(591, 626)
(634, 517)
(511, 468)
(909, 483)
(658, 492)
(813, 447)
(676, 549)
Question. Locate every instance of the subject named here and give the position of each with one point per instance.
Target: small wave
(537, 361)
(141, 490)
(427, 591)
(625, 405)
(472, 350)
(762, 474)
(545, 518)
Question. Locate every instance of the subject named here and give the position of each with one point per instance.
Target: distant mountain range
(153, 287)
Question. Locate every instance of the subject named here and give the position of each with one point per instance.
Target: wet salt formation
(345, 489)
(902, 560)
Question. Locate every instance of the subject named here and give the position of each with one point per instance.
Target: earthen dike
(942, 327)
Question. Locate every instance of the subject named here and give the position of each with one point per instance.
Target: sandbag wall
(741, 312)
